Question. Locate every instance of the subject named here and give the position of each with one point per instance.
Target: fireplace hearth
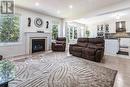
(38, 45)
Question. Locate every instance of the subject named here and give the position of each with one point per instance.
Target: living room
(65, 43)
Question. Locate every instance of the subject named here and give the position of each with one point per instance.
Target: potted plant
(7, 70)
(87, 33)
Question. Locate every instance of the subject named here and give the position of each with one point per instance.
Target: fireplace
(35, 35)
(38, 45)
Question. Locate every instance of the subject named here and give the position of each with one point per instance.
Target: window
(54, 32)
(9, 29)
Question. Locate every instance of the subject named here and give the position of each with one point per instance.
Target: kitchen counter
(111, 39)
(111, 46)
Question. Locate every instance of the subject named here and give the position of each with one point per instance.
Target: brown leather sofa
(76, 49)
(59, 45)
(88, 48)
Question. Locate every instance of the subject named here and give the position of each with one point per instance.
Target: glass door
(72, 34)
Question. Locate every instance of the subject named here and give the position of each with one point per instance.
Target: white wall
(19, 48)
(93, 30)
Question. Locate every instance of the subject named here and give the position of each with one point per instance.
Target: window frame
(3, 44)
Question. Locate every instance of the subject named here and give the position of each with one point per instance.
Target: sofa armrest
(99, 55)
(53, 45)
(71, 48)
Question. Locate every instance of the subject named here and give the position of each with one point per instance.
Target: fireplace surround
(35, 35)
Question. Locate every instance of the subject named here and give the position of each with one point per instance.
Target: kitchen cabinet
(128, 26)
(112, 27)
(125, 42)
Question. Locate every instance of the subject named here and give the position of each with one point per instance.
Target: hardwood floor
(123, 67)
(113, 62)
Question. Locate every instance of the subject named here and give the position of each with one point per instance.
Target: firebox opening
(38, 45)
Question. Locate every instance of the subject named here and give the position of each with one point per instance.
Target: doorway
(72, 34)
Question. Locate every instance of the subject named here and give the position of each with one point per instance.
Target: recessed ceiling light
(37, 4)
(71, 6)
(58, 12)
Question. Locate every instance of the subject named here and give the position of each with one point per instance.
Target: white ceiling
(103, 18)
(80, 7)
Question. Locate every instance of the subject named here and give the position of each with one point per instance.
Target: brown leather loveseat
(88, 48)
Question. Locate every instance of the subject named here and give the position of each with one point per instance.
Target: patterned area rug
(52, 71)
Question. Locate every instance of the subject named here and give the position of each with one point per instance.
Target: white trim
(10, 44)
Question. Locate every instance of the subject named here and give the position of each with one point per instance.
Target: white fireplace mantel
(30, 35)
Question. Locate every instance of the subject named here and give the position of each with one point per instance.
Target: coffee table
(7, 74)
(5, 79)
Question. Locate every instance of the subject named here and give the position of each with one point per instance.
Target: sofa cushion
(82, 44)
(77, 54)
(90, 45)
(99, 45)
(77, 48)
(58, 45)
(89, 51)
(95, 46)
